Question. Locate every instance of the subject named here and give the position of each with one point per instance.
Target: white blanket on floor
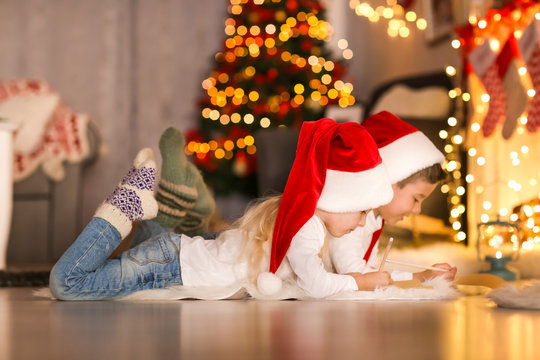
(435, 289)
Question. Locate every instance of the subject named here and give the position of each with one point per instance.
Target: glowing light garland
(528, 213)
(399, 20)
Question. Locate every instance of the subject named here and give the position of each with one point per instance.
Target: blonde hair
(257, 225)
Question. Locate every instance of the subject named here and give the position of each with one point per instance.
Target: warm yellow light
(388, 13)
(457, 139)
(481, 161)
(486, 205)
(484, 217)
(494, 45)
(253, 96)
(265, 122)
(219, 153)
(451, 71)
(299, 88)
(472, 152)
(531, 93)
(342, 44)
(475, 127)
(484, 98)
(466, 96)
(460, 190)
(482, 24)
(514, 217)
(214, 114)
(452, 121)
(456, 44)
(456, 225)
(228, 145)
(270, 29)
(347, 54)
(443, 134)
(421, 24)
(522, 70)
(249, 119)
(326, 79)
(410, 16)
(469, 178)
(461, 236)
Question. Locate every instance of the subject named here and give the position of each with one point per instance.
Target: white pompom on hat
(404, 149)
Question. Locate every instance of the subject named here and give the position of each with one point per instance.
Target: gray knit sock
(185, 203)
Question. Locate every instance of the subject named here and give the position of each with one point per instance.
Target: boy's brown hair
(432, 174)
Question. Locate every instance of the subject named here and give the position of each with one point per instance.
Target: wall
(135, 66)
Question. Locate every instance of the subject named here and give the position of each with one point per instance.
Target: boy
(414, 168)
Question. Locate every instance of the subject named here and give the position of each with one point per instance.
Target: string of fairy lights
(245, 41)
(400, 21)
(528, 215)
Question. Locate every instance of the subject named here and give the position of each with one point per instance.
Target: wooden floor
(467, 328)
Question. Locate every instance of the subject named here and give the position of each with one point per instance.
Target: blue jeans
(146, 230)
(85, 272)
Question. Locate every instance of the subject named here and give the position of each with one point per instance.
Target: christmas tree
(274, 70)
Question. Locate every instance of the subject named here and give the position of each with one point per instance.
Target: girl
(337, 176)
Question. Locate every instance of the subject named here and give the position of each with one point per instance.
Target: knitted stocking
(533, 66)
(185, 204)
(484, 62)
(529, 46)
(133, 198)
(516, 94)
(497, 99)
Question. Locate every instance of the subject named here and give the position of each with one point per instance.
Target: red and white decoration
(48, 132)
(529, 45)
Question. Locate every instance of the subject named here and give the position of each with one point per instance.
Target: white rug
(435, 289)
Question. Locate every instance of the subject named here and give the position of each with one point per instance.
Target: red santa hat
(404, 149)
(337, 169)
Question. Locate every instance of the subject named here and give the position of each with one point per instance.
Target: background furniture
(47, 214)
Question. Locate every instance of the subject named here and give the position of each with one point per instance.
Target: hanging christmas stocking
(516, 94)
(529, 46)
(483, 59)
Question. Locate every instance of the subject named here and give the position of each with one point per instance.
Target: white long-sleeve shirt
(217, 262)
(347, 252)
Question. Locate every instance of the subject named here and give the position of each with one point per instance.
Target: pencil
(386, 251)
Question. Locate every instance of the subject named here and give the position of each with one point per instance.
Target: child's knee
(59, 286)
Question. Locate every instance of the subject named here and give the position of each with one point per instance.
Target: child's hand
(450, 274)
(372, 280)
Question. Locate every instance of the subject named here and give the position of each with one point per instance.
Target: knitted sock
(133, 199)
(185, 203)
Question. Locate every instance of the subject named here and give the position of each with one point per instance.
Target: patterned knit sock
(185, 204)
(133, 199)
